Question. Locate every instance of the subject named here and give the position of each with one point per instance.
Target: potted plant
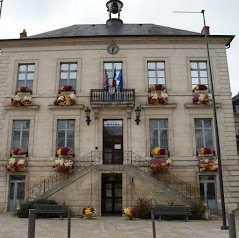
(204, 151)
(61, 165)
(202, 98)
(158, 98)
(66, 89)
(209, 164)
(157, 87)
(130, 212)
(200, 88)
(21, 100)
(162, 164)
(89, 212)
(16, 165)
(65, 100)
(19, 152)
(23, 90)
(159, 152)
(65, 152)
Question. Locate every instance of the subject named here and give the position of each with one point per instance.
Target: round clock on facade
(113, 49)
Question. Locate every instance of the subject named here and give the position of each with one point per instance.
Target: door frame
(113, 138)
(115, 197)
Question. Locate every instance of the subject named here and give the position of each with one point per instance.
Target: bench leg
(186, 218)
(160, 218)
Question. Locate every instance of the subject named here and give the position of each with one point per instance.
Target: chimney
(23, 34)
(205, 30)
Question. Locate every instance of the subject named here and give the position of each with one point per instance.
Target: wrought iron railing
(96, 158)
(101, 95)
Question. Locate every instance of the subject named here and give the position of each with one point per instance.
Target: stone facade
(134, 53)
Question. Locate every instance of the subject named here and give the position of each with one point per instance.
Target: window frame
(66, 130)
(21, 134)
(26, 73)
(198, 69)
(203, 128)
(159, 129)
(68, 71)
(156, 70)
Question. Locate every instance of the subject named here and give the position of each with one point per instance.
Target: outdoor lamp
(137, 112)
(87, 114)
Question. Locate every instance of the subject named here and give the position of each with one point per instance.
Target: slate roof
(107, 30)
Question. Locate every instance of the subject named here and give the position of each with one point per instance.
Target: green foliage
(23, 212)
(143, 208)
(198, 211)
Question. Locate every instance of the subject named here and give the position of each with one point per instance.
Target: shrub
(143, 208)
(23, 212)
(198, 211)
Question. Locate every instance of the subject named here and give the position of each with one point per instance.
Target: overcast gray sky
(40, 16)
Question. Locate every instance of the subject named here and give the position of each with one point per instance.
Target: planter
(201, 91)
(23, 93)
(205, 155)
(18, 156)
(65, 156)
(160, 156)
(66, 92)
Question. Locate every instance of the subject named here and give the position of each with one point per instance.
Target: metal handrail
(130, 157)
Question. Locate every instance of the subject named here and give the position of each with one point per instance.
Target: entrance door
(16, 191)
(113, 142)
(111, 202)
(208, 192)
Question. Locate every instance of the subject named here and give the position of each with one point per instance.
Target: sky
(45, 15)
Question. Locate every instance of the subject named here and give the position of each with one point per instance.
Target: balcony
(122, 97)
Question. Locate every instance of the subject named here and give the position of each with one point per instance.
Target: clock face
(113, 49)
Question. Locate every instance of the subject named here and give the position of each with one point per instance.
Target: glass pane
(21, 76)
(202, 65)
(30, 76)
(160, 65)
(61, 124)
(64, 67)
(194, 65)
(64, 75)
(161, 74)
(22, 68)
(71, 124)
(204, 81)
(25, 134)
(11, 192)
(63, 82)
(25, 124)
(16, 135)
(73, 67)
(73, 75)
(31, 67)
(153, 123)
(198, 123)
(151, 65)
(20, 191)
(152, 81)
(24, 144)
(194, 74)
(195, 81)
(108, 66)
(70, 143)
(151, 74)
(60, 143)
(61, 134)
(70, 134)
(161, 80)
(203, 74)
(72, 82)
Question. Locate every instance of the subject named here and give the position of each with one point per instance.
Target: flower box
(158, 98)
(200, 91)
(163, 164)
(19, 153)
(157, 88)
(61, 165)
(159, 152)
(209, 164)
(21, 100)
(66, 89)
(23, 90)
(200, 88)
(66, 99)
(202, 98)
(205, 152)
(16, 165)
(65, 152)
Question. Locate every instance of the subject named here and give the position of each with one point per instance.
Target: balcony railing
(122, 96)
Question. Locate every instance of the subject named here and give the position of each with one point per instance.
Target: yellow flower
(156, 150)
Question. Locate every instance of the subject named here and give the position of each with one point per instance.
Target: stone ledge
(76, 106)
(150, 106)
(12, 108)
(202, 106)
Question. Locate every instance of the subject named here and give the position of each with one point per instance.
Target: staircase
(138, 165)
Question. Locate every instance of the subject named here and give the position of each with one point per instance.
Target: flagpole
(224, 225)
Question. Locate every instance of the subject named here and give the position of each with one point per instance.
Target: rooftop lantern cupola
(114, 7)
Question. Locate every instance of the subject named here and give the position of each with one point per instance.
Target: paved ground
(111, 227)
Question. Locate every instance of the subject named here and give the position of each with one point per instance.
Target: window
(68, 74)
(204, 134)
(158, 133)
(156, 73)
(199, 73)
(25, 75)
(113, 75)
(65, 133)
(20, 134)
